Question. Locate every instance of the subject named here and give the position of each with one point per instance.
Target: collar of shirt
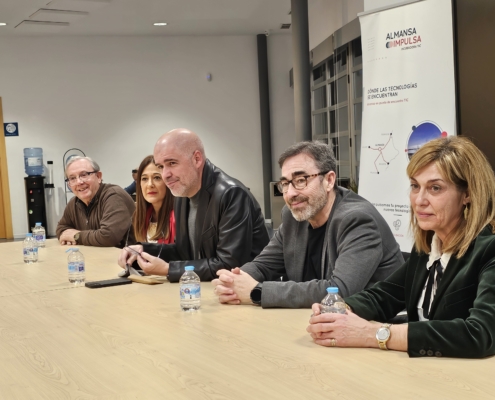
(436, 253)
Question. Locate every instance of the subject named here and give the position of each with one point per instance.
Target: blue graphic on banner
(11, 129)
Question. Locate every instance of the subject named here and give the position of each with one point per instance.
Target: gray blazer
(359, 250)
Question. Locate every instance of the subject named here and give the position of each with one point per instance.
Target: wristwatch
(256, 294)
(382, 335)
(76, 237)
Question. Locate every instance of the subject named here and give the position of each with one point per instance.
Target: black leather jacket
(230, 228)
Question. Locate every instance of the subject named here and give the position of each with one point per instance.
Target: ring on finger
(333, 342)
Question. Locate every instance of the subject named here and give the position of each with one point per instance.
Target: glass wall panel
(358, 116)
(331, 67)
(341, 64)
(344, 148)
(320, 123)
(343, 119)
(320, 98)
(319, 74)
(357, 53)
(333, 125)
(342, 89)
(358, 84)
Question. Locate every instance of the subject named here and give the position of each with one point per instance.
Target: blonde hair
(463, 164)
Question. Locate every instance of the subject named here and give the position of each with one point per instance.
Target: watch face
(383, 334)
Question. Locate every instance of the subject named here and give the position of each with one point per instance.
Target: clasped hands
(234, 287)
(149, 264)
(341, 330)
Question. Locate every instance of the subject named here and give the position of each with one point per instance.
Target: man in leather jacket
(219, 223)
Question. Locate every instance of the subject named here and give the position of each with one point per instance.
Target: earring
(466, 211)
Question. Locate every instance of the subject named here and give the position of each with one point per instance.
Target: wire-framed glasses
(83, 176)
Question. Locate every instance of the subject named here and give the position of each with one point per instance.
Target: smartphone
(107, 283)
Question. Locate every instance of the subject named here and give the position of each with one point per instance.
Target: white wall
(372, 4)
(113, 97)
(327, 16)
(281, 97)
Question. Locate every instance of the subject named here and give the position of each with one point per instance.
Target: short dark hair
(319, 151)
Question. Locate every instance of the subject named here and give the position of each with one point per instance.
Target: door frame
(6, 231)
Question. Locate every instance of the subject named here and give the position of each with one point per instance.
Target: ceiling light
(160, 23)
(2, 24)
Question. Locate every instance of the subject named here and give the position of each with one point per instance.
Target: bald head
(183, 140)
(181, 156)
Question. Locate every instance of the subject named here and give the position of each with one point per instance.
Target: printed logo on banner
(406, 37)
(421, 134)
(11, 129)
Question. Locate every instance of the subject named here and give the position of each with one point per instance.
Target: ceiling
(136, 17)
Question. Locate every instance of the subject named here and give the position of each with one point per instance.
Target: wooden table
(58, 341)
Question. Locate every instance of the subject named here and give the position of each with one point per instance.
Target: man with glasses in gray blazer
(329, 236)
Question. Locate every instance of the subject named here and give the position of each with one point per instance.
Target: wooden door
(6, 231)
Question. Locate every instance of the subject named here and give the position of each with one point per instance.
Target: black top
(314, 250)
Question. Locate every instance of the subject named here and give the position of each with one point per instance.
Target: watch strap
(255, 294)
(383, 343)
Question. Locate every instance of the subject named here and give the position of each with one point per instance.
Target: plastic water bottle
(30, 250)
(190, 290)
(333, 303)
(39, 235)
(75, 263)
(33, 161)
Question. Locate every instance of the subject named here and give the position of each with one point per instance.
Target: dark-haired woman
(154, 219)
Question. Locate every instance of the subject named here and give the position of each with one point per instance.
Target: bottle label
(40, 238)
(34, 162)
(190, 291)
(76, 267)
(27, 251)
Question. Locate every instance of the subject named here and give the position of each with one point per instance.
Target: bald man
(219, 223)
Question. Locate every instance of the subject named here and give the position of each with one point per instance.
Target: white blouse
(435, 254)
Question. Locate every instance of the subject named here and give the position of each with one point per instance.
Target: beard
(313, 206)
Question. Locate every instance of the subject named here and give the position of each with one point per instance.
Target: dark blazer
(358, 250)
(462, 316)
(230, 228)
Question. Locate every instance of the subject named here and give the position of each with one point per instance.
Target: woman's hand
(128, 255)
(152, 265)
(341, 330)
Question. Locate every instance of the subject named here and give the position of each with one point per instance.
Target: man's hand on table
(234, 287)
(67, 237)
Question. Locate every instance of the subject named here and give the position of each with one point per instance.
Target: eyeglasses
(84, 177)
(299, 182)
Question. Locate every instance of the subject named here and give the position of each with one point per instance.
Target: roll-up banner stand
(408, 99)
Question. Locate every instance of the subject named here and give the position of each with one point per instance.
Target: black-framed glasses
(83, 176)
(299, 182)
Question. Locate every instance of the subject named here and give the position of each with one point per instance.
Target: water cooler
(35, 188)
(35, 198)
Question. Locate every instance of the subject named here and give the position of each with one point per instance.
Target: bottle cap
(29, 235)
(189, 268)
(332, 289)
(38, 223)
(72, 249)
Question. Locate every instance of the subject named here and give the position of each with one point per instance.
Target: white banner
(408, 99)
